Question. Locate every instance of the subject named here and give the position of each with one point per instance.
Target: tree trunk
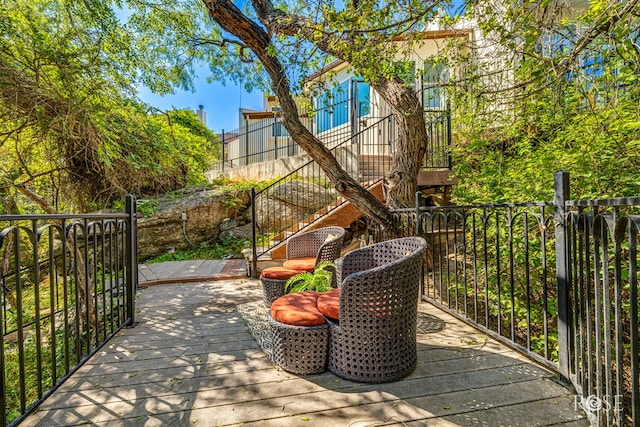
(408, 154)
(232, 20)
(410, 149)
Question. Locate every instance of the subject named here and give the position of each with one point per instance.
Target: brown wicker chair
(312, 246)
(375, 338)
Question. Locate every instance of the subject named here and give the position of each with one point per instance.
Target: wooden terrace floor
(190, 361)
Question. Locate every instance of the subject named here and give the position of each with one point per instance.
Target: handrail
(364, 154)
(68, 285)
(341, 145)
(309, 179)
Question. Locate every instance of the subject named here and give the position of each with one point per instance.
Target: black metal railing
(491, 265)
(309, 192)
(601, 345)
(258, 141)
(557, 281)
(267, 139)
(68, 284)
(439, 144)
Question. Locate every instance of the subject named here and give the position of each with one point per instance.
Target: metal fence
(557, 281)
(439, 143)
(68, 285)
(267, 139)
(310, 191)
(257, 141)
(601, 260)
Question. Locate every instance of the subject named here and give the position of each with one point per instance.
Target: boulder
(204, 209)
(290, 202)
(242, 232)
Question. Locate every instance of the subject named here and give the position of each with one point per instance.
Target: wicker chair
(314, 244)
(375, 338)
(304, 252)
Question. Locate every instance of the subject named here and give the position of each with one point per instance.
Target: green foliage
(559, 107)
(212, 250)
(189, 121)
(72, 129)
(319, 280)
(147, 207)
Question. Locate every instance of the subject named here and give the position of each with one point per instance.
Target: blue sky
(221, 103)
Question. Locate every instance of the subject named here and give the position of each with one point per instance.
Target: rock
(290, 202)
(239, 233)
(205, 209)
(228, 224)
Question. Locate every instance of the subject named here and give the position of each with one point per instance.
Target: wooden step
(342, 215)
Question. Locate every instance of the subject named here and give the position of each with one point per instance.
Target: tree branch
(232, 20)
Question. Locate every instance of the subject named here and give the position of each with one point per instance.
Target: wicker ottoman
(273, 280)
(300, 334)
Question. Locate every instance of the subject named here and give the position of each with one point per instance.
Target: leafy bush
(213, 250)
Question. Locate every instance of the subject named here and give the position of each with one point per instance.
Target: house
(346, 112)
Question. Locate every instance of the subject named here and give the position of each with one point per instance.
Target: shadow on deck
(190, 361)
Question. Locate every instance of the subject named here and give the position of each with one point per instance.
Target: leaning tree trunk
(410, 148)
(232, 20)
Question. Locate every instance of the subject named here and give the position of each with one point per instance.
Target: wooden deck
(191, 271)
(191, 362)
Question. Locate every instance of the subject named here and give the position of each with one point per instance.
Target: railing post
(561, 190)
(246, 142)
(222, 160)
(418, 216)
(275, 128)
(419, 234)
(254, 237)
(132, 257)
(449, 160)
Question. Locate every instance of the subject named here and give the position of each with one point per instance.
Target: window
(278, 129)
(324, 112)
(333, 107)
(435, 74)
(340, 104)
(363, 99)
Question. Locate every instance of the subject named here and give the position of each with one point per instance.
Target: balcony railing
(68, 285)
(267, 139)
(557, 281)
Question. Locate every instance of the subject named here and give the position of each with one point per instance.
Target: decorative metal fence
(601, 259)
(557, 281)
(68, 285)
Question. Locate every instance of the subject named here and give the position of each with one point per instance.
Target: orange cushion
(279, 273)
(304, 264)
(329, 303)
(297, 309)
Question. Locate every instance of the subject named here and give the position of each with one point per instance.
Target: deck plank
(190, 271)
(191, 362)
